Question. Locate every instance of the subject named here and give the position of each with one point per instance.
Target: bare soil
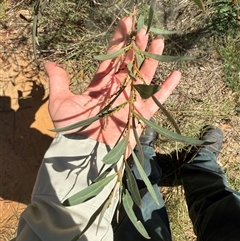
(24, 122)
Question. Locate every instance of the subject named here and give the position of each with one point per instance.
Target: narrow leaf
(140, 23)
(37, 42)
(151, 13)
(91, 221)
(78, 124)
(105, 207)
(139, 59)
(119, 205)
(166, 58)
(144, 177)
(200, 4)
(115, 154)
(89, 192)
(139, 146)
(162, 31)
(105, 173)
(172, 135)
(146, 91)
(132, 186)
(168, 114)
(124, 9)
(128, 206)
(111, 55)
(89, 121)
(130, 70)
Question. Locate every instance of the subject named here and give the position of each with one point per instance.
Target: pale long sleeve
(70, 164)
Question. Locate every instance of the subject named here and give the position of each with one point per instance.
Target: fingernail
(160, 37)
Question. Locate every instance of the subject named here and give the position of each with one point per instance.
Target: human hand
(67, 108)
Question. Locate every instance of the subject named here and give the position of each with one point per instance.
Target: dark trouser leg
(214, 208)
(154, 217)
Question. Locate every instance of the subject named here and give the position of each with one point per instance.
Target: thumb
(58, 80)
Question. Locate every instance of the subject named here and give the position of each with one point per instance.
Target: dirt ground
(24, 120)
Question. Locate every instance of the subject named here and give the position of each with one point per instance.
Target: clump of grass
(224, 25)
(180, 223)
(234, 181)
(231, 64)
(224, 17)
(72, 33)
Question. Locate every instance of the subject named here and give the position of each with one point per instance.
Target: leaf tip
(52, 130)
(66, 203)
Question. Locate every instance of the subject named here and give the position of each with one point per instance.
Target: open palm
(67, 108)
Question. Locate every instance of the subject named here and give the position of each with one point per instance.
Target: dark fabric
(214, 208)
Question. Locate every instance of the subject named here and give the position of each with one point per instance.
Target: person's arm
(73, 160)
(70, 164)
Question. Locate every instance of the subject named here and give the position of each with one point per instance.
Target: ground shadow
(171, 165)
(22, 147)
(22, 151)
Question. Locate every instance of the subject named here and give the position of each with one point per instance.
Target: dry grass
(202, 97)
(72, 37)
(10, 213)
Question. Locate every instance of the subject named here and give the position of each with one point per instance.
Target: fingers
(141, 42)
(142, 39)
(120, 35)
(58, 80)
(150, 65)
(118, 40)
